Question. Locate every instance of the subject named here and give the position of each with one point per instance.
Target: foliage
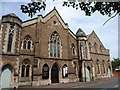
(110, 9)
(32, 8)
(104, 8)
(115, 63)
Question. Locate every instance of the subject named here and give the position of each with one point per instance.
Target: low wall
(116, 73)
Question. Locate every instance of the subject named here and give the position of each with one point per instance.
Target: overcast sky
(76, 19)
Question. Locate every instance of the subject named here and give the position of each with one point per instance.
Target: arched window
(23, 71)
(25, 68)
(24, 44)
(95, 47)
(10, 42)
(73, 50)
(10, 37)
(90, 47)
(54, 45)
(27, 42)
(45, 72)
(58, 48)
(98, 67)
(103, 66)
(65, 71)
(51, 49)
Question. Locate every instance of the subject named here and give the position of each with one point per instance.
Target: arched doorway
(109, 72)
(55, 73)
(88, 73)
(6, 76)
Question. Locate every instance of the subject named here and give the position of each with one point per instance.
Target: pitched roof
(80, 33)
(46, 18)
(93, 32)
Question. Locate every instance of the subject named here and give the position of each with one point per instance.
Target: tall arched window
(54, 45)
(10, 37)
(51, 49)
(95, 47)
(58, 49)
(25, 68)
(90, 47)
(98, 67)
(65, 71)
(10, 42)
(103, 66)
(45, 72)
(27, 42)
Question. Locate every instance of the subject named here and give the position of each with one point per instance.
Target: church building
(43, 50)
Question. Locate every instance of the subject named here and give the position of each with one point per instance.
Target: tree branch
(110, 18)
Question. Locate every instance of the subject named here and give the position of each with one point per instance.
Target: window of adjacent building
(103, 66)
(25, 70)
(98, 67)
(65, 71)
(45, 72)
(27, 42)
(73, 50)
(54, 45)
(10, 37)
(90, 47)
(95, 47)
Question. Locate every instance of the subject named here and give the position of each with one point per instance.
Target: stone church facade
(43, 50)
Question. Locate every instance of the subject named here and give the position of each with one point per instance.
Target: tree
(115, 63)
(110, 9)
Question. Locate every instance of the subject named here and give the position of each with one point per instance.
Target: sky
(76, 19)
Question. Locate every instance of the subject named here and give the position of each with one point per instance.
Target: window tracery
(25, 70)
(27, 42)
(55, 45)
(10, 37)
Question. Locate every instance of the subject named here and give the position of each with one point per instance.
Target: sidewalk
(71, 85)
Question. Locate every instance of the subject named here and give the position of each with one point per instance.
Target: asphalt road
(103, 85)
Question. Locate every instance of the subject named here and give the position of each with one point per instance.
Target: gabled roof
(44, 19)
(80, 33)
(93, 33)
(52, 13)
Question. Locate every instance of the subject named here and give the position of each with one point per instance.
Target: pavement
(71, 85)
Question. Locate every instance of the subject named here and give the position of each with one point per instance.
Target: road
(102, 85)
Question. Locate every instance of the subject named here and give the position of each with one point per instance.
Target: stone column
(93, 73)
(83, 71)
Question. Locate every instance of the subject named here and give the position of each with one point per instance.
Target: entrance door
(109, 72)
(55, 74)
(6, 78)
(88, 74)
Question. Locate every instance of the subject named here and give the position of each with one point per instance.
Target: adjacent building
(43, 50)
